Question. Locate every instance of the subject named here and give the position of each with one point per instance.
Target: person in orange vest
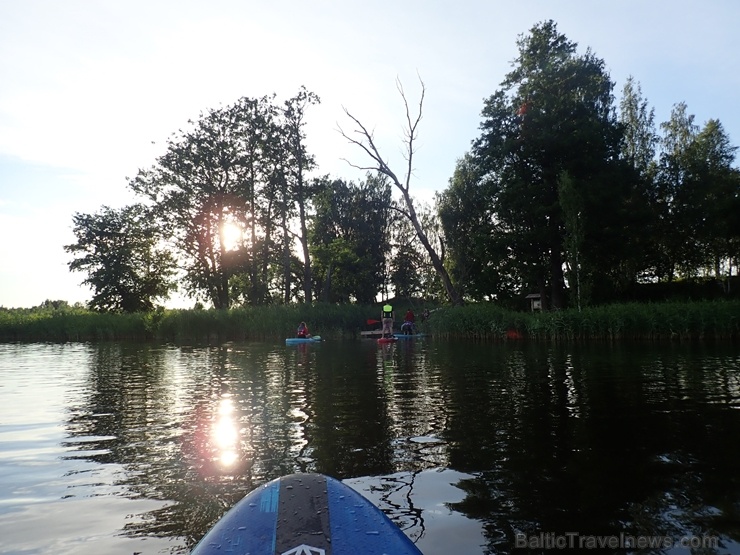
(303, 330)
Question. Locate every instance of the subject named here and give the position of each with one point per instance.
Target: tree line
(566, 192)
(571, 196)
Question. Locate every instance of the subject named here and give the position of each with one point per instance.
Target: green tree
(59, 304)
(120, 250)
(718, 224)
(701, 191)
(239, 166)
(198, 187)
(407, 261)
(640, 137)
(350, 238)
(638, 150)
(432, 284)
(477, 253)
(554, 114)
(679, 254)
(405, 276)
(258, 169)
(329, 248)
(299, 163)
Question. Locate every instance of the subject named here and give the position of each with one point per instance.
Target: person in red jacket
(409, 323)
(303, 330)
(409, 316)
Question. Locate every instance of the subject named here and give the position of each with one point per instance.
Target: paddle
(371, 322)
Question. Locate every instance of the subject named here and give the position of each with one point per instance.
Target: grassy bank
(659, 321)
(76, 324)
(666, 321)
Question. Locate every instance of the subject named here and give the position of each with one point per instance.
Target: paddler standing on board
(386, 317)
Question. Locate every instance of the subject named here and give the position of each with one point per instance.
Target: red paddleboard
(387, 340)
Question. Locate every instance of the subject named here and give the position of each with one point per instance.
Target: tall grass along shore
(636, 321)
(633, 321)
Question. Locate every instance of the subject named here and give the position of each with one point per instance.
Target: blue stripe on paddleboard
(269, 500)
(231, 534)
(266, 518)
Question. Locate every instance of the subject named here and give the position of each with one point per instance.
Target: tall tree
(300, 162)
(719, 226)
(701, 195)
(638, 150)
(679, 255)
(554, 114)
(364, 140)
(120, 251)
(212, 178)
(259, 146)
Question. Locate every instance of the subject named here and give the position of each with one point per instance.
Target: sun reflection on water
(225, 433)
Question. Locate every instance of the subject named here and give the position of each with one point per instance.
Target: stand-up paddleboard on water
(409, 336)
(391, 339)
(295, 340)
(305, 514)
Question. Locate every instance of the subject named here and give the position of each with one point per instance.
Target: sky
(90, 90)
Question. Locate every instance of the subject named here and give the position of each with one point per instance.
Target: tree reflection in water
(539, 438)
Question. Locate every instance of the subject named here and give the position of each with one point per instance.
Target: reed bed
(75, 324)
(633, 321)
(663, 321)
(70, 324)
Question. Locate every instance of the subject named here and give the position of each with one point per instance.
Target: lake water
(471, 448)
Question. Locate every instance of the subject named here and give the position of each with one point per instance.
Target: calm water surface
(125, 448)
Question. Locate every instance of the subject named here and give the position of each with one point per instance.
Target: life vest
(387, 311)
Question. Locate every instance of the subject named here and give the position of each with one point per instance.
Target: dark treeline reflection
(599, 439)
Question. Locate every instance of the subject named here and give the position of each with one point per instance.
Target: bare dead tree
(363, 138)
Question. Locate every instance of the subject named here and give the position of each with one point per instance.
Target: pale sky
(91, 89)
